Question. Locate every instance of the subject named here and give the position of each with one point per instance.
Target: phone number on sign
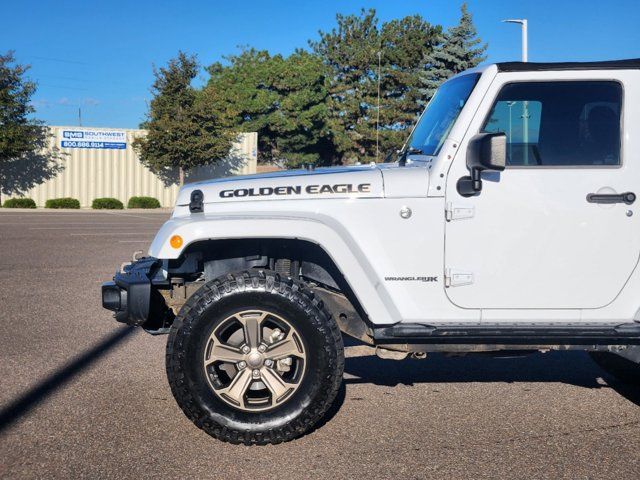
(76, 144)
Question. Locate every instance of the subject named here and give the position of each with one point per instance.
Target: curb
(86, 210)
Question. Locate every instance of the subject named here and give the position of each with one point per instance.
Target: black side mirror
(486, 151)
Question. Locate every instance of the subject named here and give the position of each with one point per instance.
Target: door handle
(627, 197)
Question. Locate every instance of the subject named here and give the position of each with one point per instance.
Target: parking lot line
(84, 226)
(62, 224)
(130, 215)
(109, 234)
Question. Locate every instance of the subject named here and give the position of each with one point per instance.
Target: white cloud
(41, 103)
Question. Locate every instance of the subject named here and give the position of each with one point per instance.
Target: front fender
(321, 229)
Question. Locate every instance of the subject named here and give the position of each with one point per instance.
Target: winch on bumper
(130, 294)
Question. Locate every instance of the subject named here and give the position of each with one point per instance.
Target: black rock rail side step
(513, 334)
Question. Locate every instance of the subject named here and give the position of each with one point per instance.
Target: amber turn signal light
(176, 241)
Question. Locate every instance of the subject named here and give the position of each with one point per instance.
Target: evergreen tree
(182, 132)
(357, 53)
(349, 52)
(458, 49)
(283, 99)
(351, 99)
(404, 43)
(24, 160)
(303, 133)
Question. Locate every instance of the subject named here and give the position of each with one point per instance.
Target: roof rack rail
(628, 64)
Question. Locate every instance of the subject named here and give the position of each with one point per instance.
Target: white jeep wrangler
(506, 222)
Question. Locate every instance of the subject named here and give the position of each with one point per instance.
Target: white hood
(362, 181)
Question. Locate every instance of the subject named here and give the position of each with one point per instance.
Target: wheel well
(299, 259)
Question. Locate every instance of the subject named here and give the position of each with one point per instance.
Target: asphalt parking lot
(84, 397)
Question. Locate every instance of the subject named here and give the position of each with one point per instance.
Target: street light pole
(378, 109)
(510, 105)
(525, 40)
(525, 105)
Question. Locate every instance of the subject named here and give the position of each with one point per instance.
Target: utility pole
(79, 116)
(525, 105)
(378, 109)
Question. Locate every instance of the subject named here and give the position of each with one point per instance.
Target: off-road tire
(621, 368)
(246, 290)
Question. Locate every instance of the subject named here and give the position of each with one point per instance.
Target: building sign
(87, 138)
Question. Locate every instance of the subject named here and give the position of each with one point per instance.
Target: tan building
(100, 162)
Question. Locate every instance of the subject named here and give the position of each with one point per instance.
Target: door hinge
(456, 212)
(457, 278)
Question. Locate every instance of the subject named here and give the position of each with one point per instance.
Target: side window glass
(559, 123)
(520, 120)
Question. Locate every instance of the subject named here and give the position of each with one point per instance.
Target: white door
(532, 239)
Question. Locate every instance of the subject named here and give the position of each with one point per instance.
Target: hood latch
(196, 205)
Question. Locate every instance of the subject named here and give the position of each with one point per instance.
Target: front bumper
(129, 294)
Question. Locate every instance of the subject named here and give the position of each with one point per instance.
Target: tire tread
(263, 281)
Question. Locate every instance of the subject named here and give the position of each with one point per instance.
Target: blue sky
(99, 55)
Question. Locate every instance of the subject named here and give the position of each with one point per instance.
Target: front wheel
(621, 368)
(254, 358)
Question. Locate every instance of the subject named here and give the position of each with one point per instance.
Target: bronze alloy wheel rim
(254, 360)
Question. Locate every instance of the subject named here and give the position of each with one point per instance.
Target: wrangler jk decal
(297, 190)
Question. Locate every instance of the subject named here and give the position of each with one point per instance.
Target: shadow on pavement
(333, 409)
(574, 368)
(22, 405)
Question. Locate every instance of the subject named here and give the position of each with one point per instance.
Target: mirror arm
(469, 186)
(476, 179)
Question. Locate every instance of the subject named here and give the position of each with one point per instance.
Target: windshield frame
(410, 147)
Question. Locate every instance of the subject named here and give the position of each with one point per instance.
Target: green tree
(358, 53)
(404, 43)
(349, 52)
(182, 132)
(25, 159)
(459, 49)
(283, 99)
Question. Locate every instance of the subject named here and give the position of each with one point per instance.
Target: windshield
(441, 112)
